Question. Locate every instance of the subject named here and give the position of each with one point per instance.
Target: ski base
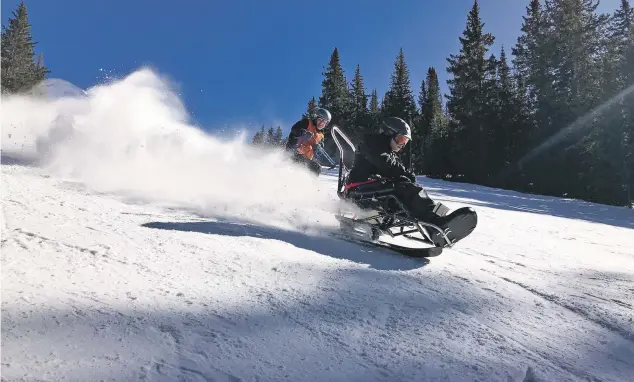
(411, 252)
(416, 252)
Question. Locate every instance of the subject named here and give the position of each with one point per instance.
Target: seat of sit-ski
(365, 189)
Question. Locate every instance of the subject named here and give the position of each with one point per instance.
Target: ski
(421, 252)
(409, 251)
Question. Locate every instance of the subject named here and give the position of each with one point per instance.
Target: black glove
(411, 176)
(404, 178)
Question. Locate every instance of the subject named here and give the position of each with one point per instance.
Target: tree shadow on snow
(515, 201)
(16, 160)
(351, 331)
(377, 258)
(353, 325)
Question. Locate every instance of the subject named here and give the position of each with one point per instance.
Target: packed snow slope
(136, 247)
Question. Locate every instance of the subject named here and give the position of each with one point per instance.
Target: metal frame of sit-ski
(398, 219)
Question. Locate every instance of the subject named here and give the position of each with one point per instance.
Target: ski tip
(433, 251)
(420, 252)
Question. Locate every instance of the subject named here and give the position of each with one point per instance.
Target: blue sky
(245, 63)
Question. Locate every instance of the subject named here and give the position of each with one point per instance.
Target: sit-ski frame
(401, 221)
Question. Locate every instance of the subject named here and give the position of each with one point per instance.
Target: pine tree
(468, 99)
(374, 111)
(422, 96)
(510, 127)
(269, 141)
(335, 96)
(311, 109)
(359, 107)
(419, 145)
(628, 147)
(269, 138)
(399, 99)
(278, 138)
(259, 137)
(576, 32)
(436, 138)
(616, 40)
(399, 102)
(433, 107)
(577, 37)
(508, 111)
(532, 52)
(569, 65)
(20, 71)
(610, 144)
(627, 72)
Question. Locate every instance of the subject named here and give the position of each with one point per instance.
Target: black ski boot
(457, 225)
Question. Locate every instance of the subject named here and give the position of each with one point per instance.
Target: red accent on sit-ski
(358, 184)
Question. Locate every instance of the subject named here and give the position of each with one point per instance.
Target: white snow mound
(134, 136)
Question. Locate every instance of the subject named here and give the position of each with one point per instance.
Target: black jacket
(375, 157)
(297, 131)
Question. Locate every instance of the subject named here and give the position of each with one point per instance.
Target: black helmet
(396, 126)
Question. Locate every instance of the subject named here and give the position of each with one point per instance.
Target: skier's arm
(297, 130)
(323, 154)
(389, 165)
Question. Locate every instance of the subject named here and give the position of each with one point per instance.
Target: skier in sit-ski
(376, 158)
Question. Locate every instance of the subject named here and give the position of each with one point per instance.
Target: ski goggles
(401, 140)
(324, 121)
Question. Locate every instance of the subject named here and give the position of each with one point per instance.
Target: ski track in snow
(95, 287)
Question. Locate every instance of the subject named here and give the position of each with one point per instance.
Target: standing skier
(376, 159)
(305, 138)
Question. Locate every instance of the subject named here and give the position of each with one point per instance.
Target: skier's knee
(423, 194)
(315, 168)
(440, 209)
(411, 190)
